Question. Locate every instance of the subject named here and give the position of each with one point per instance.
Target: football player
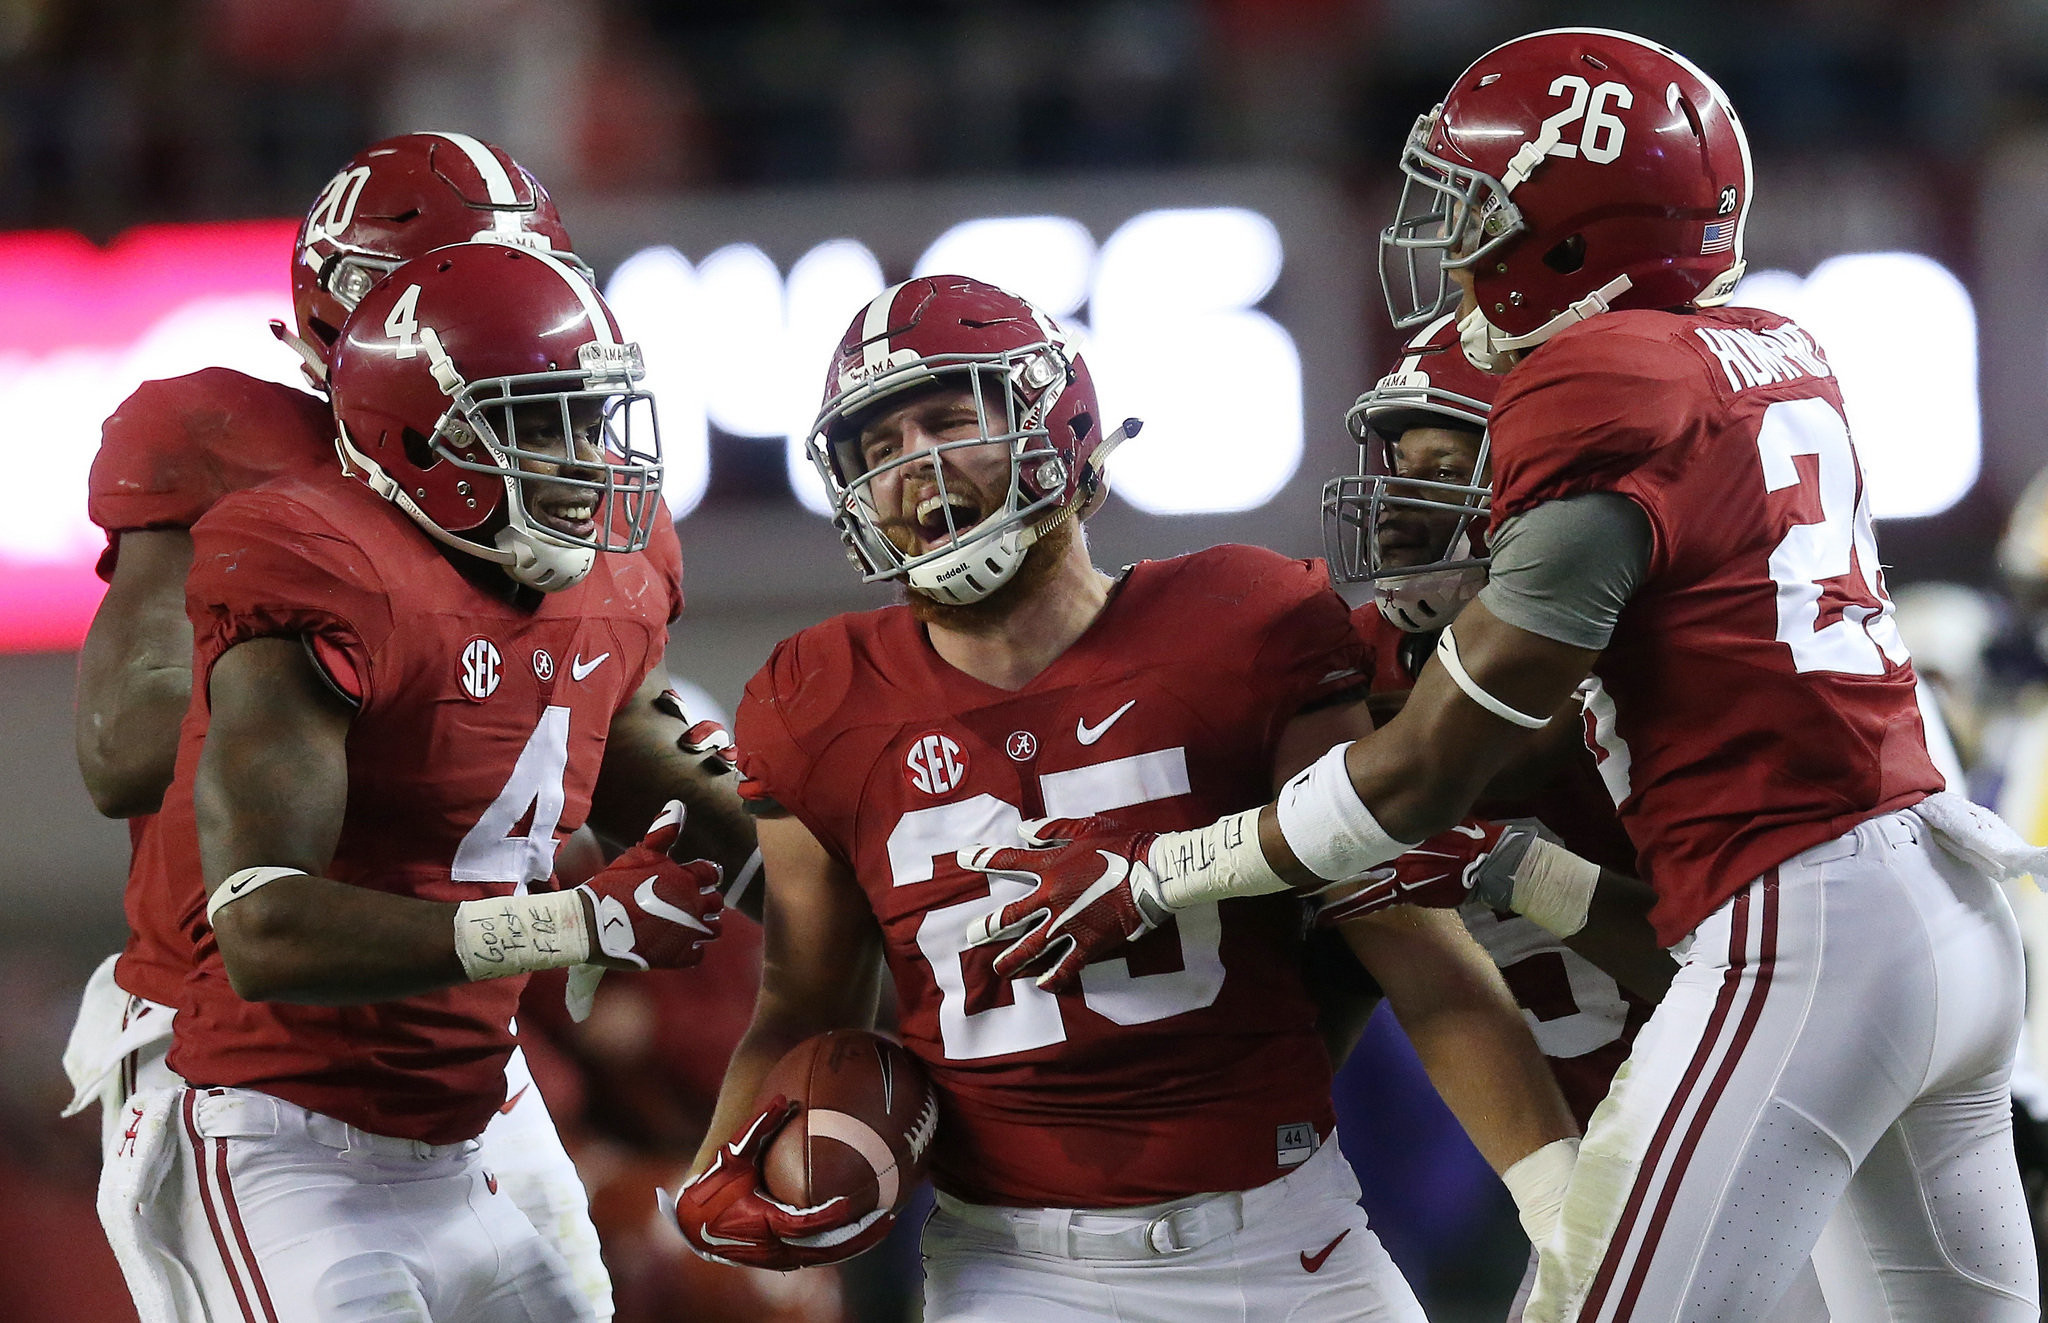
(167, 455)
(405, 676)
(1678, 513)
(964, 446)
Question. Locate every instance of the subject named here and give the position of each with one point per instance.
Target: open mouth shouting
(939, 518)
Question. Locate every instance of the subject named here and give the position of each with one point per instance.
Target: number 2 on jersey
(1033, 1017)
(1862, 639)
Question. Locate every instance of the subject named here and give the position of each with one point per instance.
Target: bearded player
(1678, 513)
(167, 455)
(964, 445)
(405, 678)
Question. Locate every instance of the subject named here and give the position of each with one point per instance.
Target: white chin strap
(973, 567)
(1490, 349)
(542, 564)
(1418, 603)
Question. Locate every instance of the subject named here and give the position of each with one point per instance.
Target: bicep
(135, 674)
(822, 953)
(1312, 734)
(1422, 771)
(272, 782)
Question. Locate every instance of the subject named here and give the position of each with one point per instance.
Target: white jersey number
(1601, 137)
(1571, 1006)
(1032, 1018)
(490, 852)
(1839, 549)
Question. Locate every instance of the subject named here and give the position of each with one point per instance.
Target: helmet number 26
(1601, 136)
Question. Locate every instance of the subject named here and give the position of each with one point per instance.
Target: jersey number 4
(1033, 1018)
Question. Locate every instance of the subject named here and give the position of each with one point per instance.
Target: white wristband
(1554, 887)
(1538, 1182)
(504, 935)
(238, 885)
(1213, 863)
(1329, 828)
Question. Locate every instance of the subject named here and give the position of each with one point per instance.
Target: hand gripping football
(863, 1129)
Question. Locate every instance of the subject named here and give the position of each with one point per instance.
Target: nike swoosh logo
(1314, 1262)
(644, 897)
(1476, 833)
(1333, 676)
(1089, 734)
(580, 668)
(1114, 871)
(513, 1101)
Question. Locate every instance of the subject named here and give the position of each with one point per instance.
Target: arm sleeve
(1565, 569)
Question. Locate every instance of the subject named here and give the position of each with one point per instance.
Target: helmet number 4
(402, 323)
(1602, 133)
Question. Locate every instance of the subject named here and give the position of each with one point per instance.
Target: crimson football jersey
(479, 729)
(1756, 698)
(1583, 1020)
(1192, 1063)
(166, 455)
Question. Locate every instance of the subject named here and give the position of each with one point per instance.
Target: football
(864, 1127)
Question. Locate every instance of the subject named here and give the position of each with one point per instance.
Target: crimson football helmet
(1032, 396)
(486, 391)
(1568, 172)
(397, 199)
(1438, 524)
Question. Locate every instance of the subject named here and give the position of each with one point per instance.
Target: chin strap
(1489, 350)
(314, 366)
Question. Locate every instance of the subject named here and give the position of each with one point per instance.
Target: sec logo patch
(481, 669)
(935, 764)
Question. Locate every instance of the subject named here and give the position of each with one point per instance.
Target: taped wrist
(237, 886)
(1538, 1183)
(1328, 826)
(1212, 863)
(1554, 887)
(503, 935)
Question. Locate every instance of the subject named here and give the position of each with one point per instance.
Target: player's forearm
(1487, 1069)
(318, 942)
(1619, 940)
(1466, 1029)
(126, 733)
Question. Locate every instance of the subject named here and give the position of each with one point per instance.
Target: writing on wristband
(499, 936)
(1212, 863)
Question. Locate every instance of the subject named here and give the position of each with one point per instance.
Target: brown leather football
(864, 1128)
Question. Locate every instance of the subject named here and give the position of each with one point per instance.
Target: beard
(1041, 561)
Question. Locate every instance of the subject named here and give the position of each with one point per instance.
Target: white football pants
(1840, 1032)
(1296, 1250)
(117, 1052)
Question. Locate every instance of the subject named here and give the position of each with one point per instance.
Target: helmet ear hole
(419, 452)
(1080, 423)
(1568, 256)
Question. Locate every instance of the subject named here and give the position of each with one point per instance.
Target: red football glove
(1092, 892)
(1440, 873)
(650, 911)
(728, 1217)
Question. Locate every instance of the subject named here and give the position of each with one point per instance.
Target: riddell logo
(935, 763)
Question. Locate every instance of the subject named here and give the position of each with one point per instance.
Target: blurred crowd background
(1878, 126)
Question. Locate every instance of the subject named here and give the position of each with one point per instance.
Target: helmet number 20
(1601, 136)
